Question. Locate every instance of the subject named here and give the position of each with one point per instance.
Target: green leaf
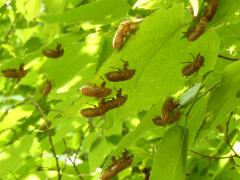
(2, 2)
(98, 12)
(13, 156)
(157, 51)
(195, 120)
(170, 160)
(227, 12)
(97, 155)
(225, 98)
(145, 125)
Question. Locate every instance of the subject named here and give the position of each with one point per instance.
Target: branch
(228, 58)
(212, 157)
(190, 108)
(81, 141)
(44, 116)
(8, 109)
(73, 162)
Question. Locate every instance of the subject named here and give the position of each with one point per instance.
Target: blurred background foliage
(32, 125)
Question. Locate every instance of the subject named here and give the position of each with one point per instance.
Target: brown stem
(226, 136)
(73, 162)
(44, 116)
(5, 113)
(81, 141)
(190, 108)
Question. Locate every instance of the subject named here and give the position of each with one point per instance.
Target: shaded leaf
(170, 160)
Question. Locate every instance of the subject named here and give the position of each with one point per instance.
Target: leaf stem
(228, 58)
(211, 157)
(44, 116)
(226, 136)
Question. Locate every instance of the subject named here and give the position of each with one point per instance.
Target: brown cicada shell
(195, 32)
(54, 53)
(193, 67)
(95, 91)
(117, 166)
(15, 73)
(170, 113)
(47, 87)
(116, 102)
(122, 33)
(122, 74)
(211, 9)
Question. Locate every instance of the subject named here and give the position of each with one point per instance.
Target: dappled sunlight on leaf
(44, 135)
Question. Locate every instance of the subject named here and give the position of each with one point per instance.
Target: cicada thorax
(93, 90)
(170, 113)
(194, 32)
(47, 87)
(194, 66)
(121, 75)
(211, 9)
(123, 31)
(15, 73)
(54, 53)
(117, 166)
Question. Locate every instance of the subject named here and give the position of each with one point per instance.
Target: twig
(226, 136)
(228, 58)
(212, 157)
(44, 116)
(8, 33)
(5, 113)
(190, 108)
(73, 162)
(81, 141)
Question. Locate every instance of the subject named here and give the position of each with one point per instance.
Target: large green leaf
(170, 160)
(157, 51)
(2, 2)
(145, 125)
(13, 156)
(225, 98)
(99, 12)
(227, 12)
(196, 118)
